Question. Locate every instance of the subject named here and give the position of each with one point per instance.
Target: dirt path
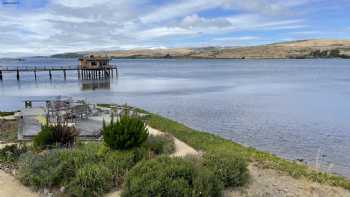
(9, 186)
(268, 182)
(181, 149)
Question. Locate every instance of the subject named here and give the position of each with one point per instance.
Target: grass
(2, 113)
(213, 143)
(8, 130)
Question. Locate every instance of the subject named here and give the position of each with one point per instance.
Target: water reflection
(87, 85)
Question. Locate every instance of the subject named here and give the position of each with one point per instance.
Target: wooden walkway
(98, 73)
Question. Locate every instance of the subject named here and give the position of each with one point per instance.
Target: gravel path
(268, 182)
(11, 187)
(181, 149)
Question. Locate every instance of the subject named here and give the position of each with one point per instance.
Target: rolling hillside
(294, 50)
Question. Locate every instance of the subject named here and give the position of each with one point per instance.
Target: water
(297, 109)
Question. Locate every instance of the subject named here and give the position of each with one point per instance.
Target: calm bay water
(297, 109)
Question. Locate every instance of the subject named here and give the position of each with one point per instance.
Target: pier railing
(83, 73)
(47, 68)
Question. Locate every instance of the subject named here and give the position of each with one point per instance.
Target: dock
(104, 72)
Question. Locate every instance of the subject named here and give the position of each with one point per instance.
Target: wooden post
(111, 70)
(64, 74)
(99, 74)
(0, 75)
(116, 72)
(78, 73)
(35, 73)
(50, 74)
(17, 74)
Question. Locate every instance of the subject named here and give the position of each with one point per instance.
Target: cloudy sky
(42, 27)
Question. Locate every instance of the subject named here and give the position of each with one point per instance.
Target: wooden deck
(97, 73)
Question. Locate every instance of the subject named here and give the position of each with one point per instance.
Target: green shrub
(40, 170)
(56, 166)
(127, 132)
(51, 136)
(44, 137)
(3, 113)
(166, 176)
(231, 169)
(91, 180)
(73, 159)
(161, 144)
(120, 162)
(11, 153)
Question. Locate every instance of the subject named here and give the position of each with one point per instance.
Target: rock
(62, 189)
(46, 191)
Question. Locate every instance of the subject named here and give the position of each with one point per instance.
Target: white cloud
(164, 31)
(79, 3)
(238, 38)
(194, 21)
(74, 25)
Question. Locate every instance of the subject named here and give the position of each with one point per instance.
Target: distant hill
(293, 49)
(69, 55)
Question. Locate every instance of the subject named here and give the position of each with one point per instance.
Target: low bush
(51, 136)
(40, 170)
(166, 176)
(91, 180)
(161, 144)
(120, 162)
(54, 167)
(70, 168)
(127, 132)
(11, 153)
(3, 113)
(231, 169)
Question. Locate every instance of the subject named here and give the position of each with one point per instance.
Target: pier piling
(17, 75)
(84, 74)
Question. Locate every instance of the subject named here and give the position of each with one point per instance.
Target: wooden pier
(99, 73)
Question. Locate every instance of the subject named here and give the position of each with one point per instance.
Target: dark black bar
(17, 75)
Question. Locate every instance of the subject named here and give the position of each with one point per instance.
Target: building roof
(93, 57)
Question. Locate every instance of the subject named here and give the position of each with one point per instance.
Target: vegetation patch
(213, 143)
(58, 135)
(75, 168)
(11, 153)
(161, 144)
(2, 113)
(8, 130)
(166, 176)
(128, 131)
(90, 180)
(231, 169)
(120, 162)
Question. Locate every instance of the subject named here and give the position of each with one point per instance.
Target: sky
(44, 27)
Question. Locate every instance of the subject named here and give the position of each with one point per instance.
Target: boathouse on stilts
(95, 67)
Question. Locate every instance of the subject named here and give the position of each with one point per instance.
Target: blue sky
(43, 27)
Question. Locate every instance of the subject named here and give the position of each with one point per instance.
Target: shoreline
(203, 141)
(267, 169)
(207, 142)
